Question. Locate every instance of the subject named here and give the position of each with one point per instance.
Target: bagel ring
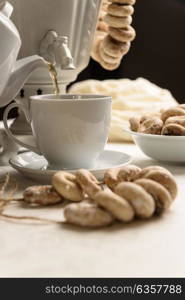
(88, 182)
(102, 26)
(116, 205)
(146, 170)
(134, 123)
(95, 51)
(160, 195)
(107, 58)
(66, 185)
(173, 129)
(172, 112)
(41, 195)
(117, 22)
(111, 178)
(180, 120)
(126, 34)
(165, 179)
(110, 66)
(115, 48)
(117, 10)
(151, 125)
(141, 201)
(87, 214)
(128, 173)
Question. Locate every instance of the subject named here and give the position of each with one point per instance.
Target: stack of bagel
(114, 33)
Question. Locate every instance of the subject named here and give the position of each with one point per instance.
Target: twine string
(6, 200)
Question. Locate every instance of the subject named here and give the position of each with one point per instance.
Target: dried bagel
(118, 22)
(142, 202)
(41, 195)
(180, 120)
(115, 48)
(128, 173)
(173, 129)
(146, 171)
(66, 185)
(125, 34)
(160, 194)
(88, 182)
(116, 205)
(164, 178)
(114, 20)
(117, 10)
(171, 112)
(134, 123)
(87, 214)
(151, 125)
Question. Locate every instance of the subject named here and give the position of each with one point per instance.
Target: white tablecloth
(141, 249)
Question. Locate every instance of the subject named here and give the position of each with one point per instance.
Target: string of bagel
(128, 193)
(114, 33)
(124, 194)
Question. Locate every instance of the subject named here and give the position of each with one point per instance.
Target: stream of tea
(54, 77)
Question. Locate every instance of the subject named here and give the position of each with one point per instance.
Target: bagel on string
(115, 23)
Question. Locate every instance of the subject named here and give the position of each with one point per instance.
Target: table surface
(154, 248)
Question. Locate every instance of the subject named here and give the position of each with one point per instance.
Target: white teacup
(70, 131)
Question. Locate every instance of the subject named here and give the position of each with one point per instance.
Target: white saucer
(33, 166)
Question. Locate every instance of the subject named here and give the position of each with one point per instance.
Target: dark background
(158, 52)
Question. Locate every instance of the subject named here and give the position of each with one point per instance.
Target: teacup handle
(10, 134)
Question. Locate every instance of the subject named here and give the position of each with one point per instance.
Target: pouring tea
(13, 73)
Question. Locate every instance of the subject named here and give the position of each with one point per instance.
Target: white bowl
(159, 147)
